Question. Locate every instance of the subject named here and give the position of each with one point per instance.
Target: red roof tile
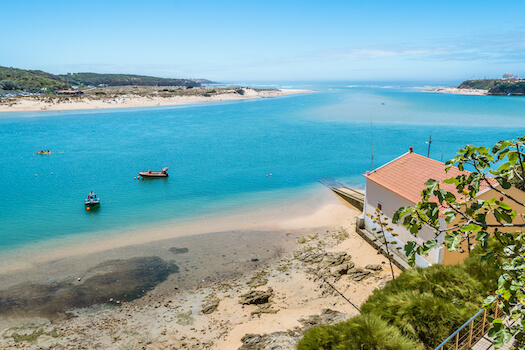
(407, 174)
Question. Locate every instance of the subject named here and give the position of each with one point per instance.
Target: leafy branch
(458, 216)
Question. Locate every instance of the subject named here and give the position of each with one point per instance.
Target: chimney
(410, 149)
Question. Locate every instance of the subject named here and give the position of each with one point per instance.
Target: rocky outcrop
(374, 267)
(309, 256)
(357, 275)
(256, 297)
(288, 340)
(210, 305)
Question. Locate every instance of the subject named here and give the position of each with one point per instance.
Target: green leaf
(450, 181)
(503, 205)
(513, 157)
(449, 216)
(452, 240)
(500, 145)
(489, 300)
(503, 182)
(483, 237)
(470, 228)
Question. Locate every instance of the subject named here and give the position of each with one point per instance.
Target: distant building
(399, 183)
(509, 76)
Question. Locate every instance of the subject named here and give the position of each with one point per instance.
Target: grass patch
(423, 305)
(362, 332)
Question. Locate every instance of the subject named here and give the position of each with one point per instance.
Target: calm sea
(220, 155)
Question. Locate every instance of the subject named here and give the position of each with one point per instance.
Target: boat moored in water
(44, 152)
(91, 201)
(149, 173)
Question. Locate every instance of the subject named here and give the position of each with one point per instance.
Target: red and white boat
(149, 173)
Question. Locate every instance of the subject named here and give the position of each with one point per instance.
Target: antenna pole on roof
(429, 142)
(372, 143)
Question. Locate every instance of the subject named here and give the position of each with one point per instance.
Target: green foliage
(496, 86)
(363, 332)
(478, 266)
(428, 304)
(502, 263)
(95, 79)
(483, 84)
(505, 87)
(32, 80)
(424, 304)
(9, 85)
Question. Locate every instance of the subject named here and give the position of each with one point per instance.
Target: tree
(9, 85)
(477, 221)
(381, 235)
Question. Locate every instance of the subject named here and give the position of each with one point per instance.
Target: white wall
(390, 202)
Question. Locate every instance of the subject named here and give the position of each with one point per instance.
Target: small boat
(149, 173)
(91, 201)
(44, 152)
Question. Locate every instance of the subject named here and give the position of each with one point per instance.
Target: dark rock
(257, 281)
(288, 340)
(374, 267)
(210, 305)
(342, 269)
(274, 341)
(357, 275)
(176, 250)
(310, 256)
(255, 297)
(335, 259)
(327, 316)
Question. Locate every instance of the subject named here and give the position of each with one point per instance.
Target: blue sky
(268, 40)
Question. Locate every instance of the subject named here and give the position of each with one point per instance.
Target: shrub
(486, 273)
(447, 282)
(363, 332)
(428, 304)
(9, 85)
(423, 317)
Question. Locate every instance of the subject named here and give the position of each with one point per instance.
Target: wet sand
(150, 293)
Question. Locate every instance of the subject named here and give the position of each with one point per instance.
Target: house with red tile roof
(399, 183)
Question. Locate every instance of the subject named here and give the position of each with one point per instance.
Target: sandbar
(127, 98)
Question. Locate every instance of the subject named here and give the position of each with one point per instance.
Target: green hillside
(496, 86)
(95, 79)
(30, 80)
(14, 80)
(484, 84)
(505, 87)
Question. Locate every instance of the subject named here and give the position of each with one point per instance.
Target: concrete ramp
(353, 197)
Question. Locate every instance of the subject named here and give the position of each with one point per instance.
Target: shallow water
(221, 155)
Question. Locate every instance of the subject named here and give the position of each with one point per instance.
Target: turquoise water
(220, 154)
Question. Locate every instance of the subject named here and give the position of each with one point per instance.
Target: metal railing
(471, 331)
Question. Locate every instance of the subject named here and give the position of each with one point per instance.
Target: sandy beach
(187, 290)
(125, 97)
(455, 90)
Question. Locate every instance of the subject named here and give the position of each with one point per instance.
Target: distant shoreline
(30, 104)
(458, 91)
